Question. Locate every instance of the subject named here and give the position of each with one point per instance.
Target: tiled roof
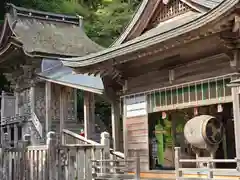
(161, 33)
(47, 33)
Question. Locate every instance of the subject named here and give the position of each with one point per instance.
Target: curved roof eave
(142, 42)
(132, 23)
(140, 10)
(18, 44)
(3, 30)
(68, 39)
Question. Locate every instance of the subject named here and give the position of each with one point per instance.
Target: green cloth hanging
(160, 143)
(168, 133)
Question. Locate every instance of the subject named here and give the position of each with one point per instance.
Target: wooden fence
(208, 173)
(58, 161)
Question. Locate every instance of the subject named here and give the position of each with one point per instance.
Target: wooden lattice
(172, 9)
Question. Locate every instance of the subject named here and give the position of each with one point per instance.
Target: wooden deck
(158, 174)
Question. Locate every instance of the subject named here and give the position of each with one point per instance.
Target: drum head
(214, 131)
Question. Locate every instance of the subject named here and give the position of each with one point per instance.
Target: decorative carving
(28, 71)
(25, 101)
(55, 102)
(13, 120)
(40, 101)
(71, 102)
(170, 9)
(34, 133)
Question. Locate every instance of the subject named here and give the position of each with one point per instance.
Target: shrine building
(174, 61)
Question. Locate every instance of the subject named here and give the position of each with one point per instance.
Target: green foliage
(104, 20)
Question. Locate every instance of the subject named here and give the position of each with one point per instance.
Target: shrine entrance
(166, 131)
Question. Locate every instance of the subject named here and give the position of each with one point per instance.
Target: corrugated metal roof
(60, 74)
(49, 64)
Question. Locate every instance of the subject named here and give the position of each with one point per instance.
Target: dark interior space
(226, 149)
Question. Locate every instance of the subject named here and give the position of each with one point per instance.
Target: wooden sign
(136, 106)
(195, 111)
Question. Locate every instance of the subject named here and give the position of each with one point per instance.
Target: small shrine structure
(44, 93)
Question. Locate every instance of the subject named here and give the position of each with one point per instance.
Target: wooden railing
(203, 173)
(37, 124)
(75, 138)
(61, 162)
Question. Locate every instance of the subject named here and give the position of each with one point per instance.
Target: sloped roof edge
(132, 23)
(62, 75)
(145, 41)
(142, 7)
(44, 34)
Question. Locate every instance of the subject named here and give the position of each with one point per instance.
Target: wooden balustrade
(203, 173)
(76, 138)
(62, 161)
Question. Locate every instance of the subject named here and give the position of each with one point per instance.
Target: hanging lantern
(219, 108)
(165, 1)
(164, 115)
(195, 111)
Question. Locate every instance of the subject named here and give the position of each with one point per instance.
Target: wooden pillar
(9, 133)
(125, 135)
(17, 101)
(32, 97)
(48, 96)
(2, 114)
(15, 135)
(17, 112)
(236, 116)
(92, 115)
(63, 110)
(116, 125)
(75, 103)
(89, 114)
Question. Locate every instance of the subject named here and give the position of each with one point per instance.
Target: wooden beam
(89, 114)
(236, 117)
(48, 100)
(63, 110)
(17, 95)
(75, 91)
(139, 69)
(32, 97)
(116, 133)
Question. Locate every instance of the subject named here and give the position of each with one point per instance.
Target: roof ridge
(48, 16)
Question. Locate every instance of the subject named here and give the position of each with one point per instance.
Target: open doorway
(166, 131)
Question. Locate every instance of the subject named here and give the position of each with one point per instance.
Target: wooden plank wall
(136, 129)
(137, 138)
(205, 68)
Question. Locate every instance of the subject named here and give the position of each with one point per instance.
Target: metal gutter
(142, 42)
(84, 88)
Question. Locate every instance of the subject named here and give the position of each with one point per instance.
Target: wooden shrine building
(173, 61)
(44, 92)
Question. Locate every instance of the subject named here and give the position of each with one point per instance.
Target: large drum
(203, 131)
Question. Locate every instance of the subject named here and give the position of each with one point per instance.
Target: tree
(104, 20)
